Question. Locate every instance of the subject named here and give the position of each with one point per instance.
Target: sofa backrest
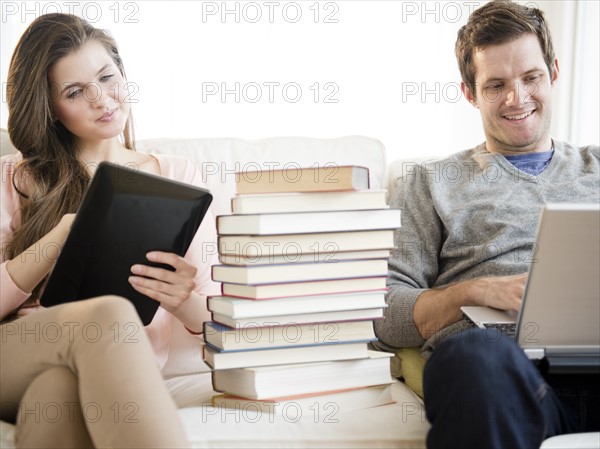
(220, 158)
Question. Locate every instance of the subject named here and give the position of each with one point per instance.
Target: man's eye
(495, 86)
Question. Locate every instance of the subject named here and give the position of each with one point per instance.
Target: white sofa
(402, 424)
(399, 425)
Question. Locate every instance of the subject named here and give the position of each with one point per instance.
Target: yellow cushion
(411, 365)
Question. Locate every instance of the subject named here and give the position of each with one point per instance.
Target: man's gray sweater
(472, 215)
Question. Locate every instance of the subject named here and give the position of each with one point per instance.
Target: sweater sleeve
(11, 296)
(413, 266)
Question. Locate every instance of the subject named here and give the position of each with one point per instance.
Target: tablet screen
(124, 214)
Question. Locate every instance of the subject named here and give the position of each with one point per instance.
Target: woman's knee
(103, 309)
(50, 412)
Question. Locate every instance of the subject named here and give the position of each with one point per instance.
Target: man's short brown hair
(498, 22)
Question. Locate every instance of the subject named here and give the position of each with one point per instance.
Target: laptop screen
(561, 305)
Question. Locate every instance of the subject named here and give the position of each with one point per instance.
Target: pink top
(202, 252)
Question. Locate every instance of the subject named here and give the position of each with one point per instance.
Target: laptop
(559, 320)
(123, 215)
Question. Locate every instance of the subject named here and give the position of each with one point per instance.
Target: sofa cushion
(408, 363)
(6, 146)
(402, 424)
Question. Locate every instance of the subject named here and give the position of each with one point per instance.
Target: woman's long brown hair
(50, 179)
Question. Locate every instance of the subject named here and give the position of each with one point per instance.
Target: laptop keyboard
(508, 329)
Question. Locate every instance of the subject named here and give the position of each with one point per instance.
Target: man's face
(513, 94)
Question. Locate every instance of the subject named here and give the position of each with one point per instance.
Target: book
(271, 274)
(291, 245)
(329, 177)
(328, 403)
(308, 222)
(281, 356)
(307, 202)
(249, 308)
(271, 291)
(303, 318)
(331, 256)
(305, 378)
(227, 339)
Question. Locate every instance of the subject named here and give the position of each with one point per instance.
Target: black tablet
(124, 214)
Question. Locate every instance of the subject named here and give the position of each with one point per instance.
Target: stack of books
(303, 271)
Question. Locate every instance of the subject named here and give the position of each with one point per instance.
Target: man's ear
(468, 94)
(555, 72)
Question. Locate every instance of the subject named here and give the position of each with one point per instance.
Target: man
(467, 236)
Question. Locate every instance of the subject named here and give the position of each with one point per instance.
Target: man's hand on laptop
(499, 292)
(438, 308)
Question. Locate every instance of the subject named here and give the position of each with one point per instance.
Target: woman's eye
(105, 78)
(74, 94)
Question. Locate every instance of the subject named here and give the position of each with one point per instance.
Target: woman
(68, 111)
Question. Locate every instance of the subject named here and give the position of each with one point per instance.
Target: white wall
(380, 68)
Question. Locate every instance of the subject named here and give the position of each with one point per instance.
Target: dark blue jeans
(481, 391)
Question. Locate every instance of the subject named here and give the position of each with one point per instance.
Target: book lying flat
(304, 318)
(249, 308)
(308, 222)
(305, 378)
(227, 339)
(276, 273)
(281, 356)
(329, 177)
(329, 403)
(290, 245)
(307, 202)
(271, 291)
(294, 257)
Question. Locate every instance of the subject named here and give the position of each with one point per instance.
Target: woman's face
(89, 95)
